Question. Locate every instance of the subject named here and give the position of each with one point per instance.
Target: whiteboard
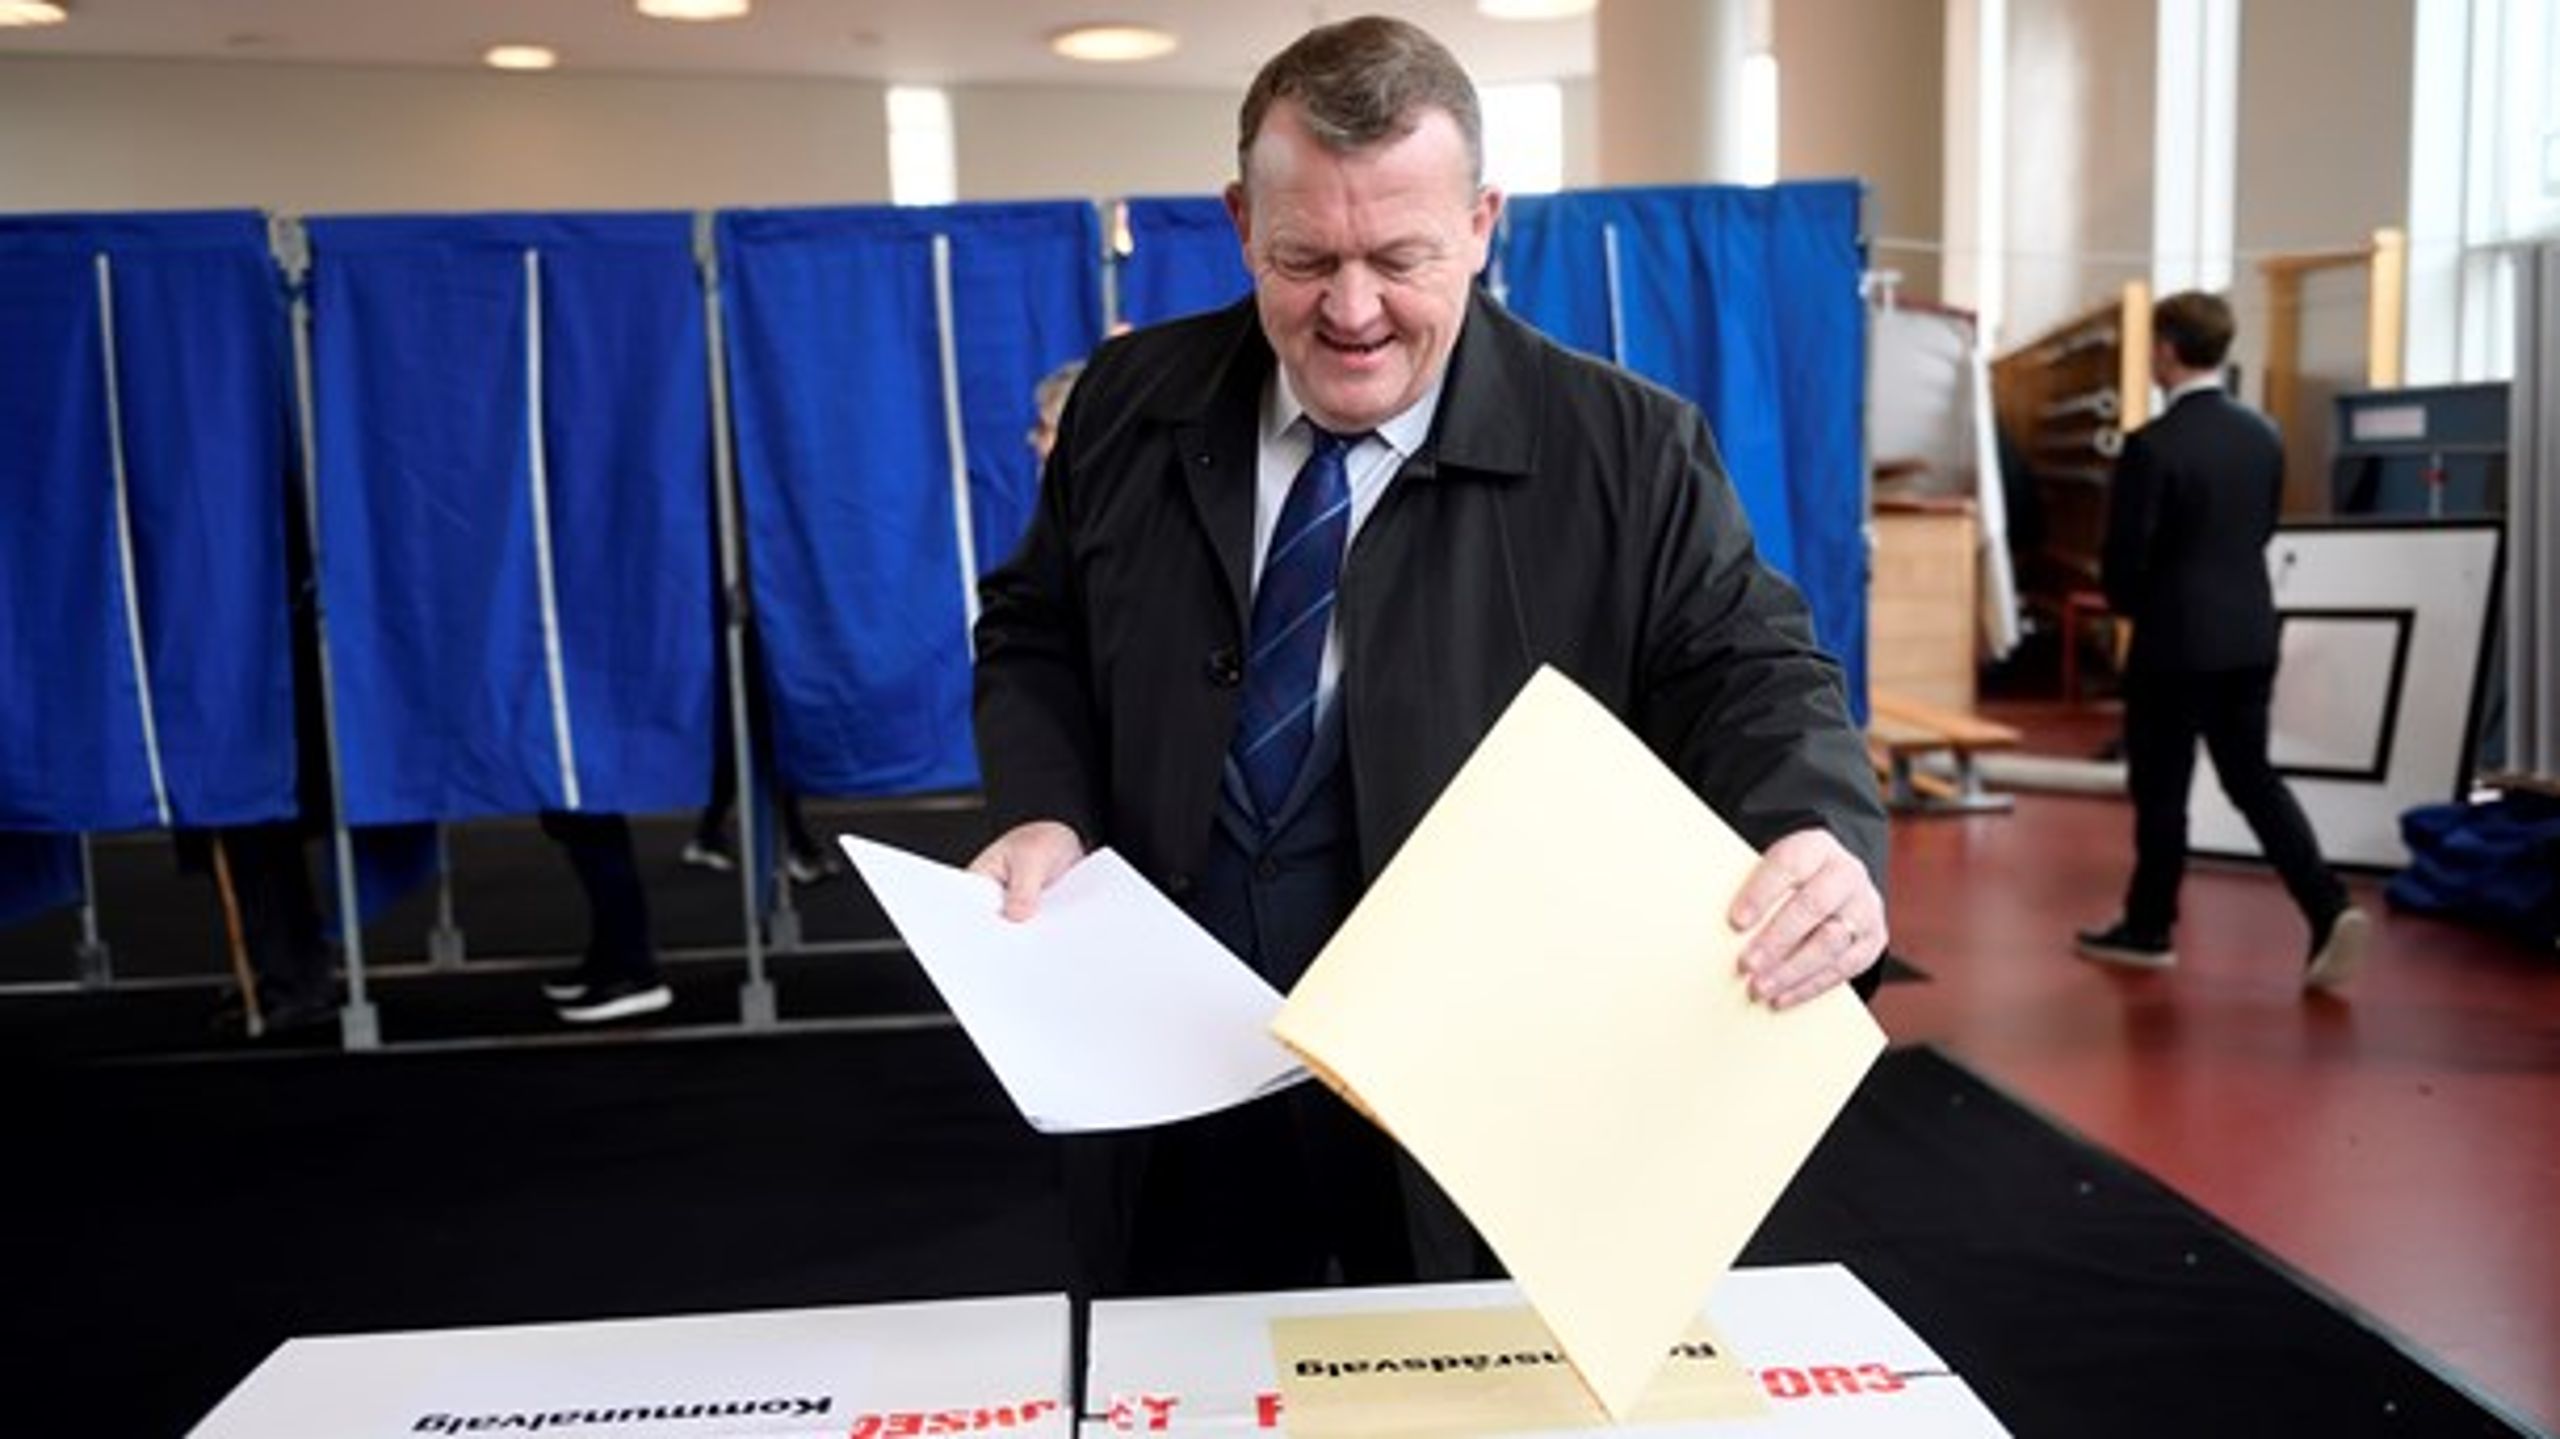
(2384, 641)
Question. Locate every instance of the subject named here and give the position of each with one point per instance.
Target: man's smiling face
(1361, 260)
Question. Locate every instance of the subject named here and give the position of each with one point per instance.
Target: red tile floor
(2400, 1146)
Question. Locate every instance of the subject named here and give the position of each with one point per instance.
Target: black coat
(2194, 500)
(1560, 512)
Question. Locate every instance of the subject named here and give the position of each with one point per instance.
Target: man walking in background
(2194, 500)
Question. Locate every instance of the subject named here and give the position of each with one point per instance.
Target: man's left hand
(1825, 919)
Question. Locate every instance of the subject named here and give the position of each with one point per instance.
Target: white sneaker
(616, 999)
(2341, 953)
(811, 868)
(567, 987)
(703, 856)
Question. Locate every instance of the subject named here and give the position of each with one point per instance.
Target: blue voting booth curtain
(1745, 302)
(38, 872)
(162, 336)
(845, 461)
(392, 860)
(1026, 292)
(1183, 258)
(515, 515)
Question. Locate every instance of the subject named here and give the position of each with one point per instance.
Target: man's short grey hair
(1050, 396)
(1363, 81)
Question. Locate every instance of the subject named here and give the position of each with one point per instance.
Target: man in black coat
(2194, 500)
(1447, 501)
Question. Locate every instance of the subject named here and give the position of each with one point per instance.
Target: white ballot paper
(1539, 999)
(1109, 1009)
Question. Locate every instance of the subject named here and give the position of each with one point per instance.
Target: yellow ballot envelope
(1540, 1000)
(1425, 1374)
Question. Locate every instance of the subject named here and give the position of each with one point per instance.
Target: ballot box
(1827, 1357)
(983, 1366)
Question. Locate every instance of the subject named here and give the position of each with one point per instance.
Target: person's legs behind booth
(805, 860)
(268, 879)
(619, 976)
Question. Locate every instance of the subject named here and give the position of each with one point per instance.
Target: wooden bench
(1900, 729)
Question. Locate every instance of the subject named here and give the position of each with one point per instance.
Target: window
(2484, 178)
(921, 170)
(2195, 145)
(1524, 137)
(2533, 98)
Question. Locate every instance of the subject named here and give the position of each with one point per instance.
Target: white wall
(1861, 92)
(318, 139)
(80, 134)
(2323, 144)
(1081, 141)
(2325, 89)
(2324, 120)
(1052, 141)
(2323, 153)
(2078, 209)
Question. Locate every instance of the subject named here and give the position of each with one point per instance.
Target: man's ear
(1480, 225)
(1239, 213)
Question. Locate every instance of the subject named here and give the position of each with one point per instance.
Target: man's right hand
(1026, 860)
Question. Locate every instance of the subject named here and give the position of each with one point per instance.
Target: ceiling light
(520, 57)
(1113, 44)
(15, 13)
(693, 9)
(1534, 9)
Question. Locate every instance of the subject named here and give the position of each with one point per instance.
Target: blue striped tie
(1292, 611)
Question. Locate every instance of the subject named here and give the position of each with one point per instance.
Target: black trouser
(1274, 1194)
(598, 847)
(2164, 716)
(708, 830)
(1280, 1193)
(279, 917)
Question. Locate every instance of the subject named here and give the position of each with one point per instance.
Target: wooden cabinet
(1924, 602)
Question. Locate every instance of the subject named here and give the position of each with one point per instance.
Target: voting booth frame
(359, 1023)
(1562, 263)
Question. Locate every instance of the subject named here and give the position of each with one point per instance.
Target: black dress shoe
(2121, 945)
(289, 1015)
(277, 1017)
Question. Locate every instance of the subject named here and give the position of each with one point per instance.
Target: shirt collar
(2200, 382)
(1402, 432)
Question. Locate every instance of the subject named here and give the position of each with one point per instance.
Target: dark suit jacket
(1560, 512)
(2195, 498)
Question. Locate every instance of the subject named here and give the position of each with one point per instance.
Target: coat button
(1177, 884)
(1266, 869)
(1224, 667)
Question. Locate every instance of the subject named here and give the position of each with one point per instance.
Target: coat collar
(1213, 409)
(1489, 412)
(1487, 424)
